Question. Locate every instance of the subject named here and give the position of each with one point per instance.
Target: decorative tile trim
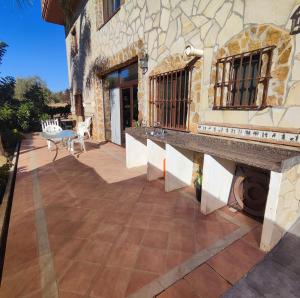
(269, 136)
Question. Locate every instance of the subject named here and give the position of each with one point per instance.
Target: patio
(89, 227)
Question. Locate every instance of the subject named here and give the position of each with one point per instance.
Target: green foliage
(10, 138)
(198, 179)
(4, 172)
(23, 104)
(24, 115)
(6, 113)
(137, 124)
(24, 85)
(7, 89)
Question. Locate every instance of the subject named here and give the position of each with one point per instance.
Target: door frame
(131, 104)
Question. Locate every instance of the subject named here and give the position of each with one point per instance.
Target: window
(78, 105)
(296, 21)
(110, 7)
(74, 43)
(242, 80)
(169, 99)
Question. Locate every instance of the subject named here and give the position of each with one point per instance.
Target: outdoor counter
(266, 156)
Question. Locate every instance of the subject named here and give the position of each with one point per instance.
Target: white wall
(136, 152)
(179, 165)
(217, 179)
(156, 158)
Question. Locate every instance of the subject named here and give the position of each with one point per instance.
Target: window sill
(176, 129)
(240, 108)
(108, 19)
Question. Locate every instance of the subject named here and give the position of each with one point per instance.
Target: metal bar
(216, 84)
(184, 99)
(230, 83)
(248, 53)
(175, 100)
(223, 80)
(179, 98)
(267, 77)
(238, 79)
(249, 77)
(171, 100)
(166, 100)
(189, 99)
(163, 98)
(258, 74)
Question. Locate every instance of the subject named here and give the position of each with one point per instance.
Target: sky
(36, 48)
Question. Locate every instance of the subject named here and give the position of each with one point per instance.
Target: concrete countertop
(266, 156)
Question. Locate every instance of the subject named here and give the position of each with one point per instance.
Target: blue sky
(35, 47)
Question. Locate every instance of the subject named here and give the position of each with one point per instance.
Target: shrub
(24, 114)
(10, 139)
(4, 172)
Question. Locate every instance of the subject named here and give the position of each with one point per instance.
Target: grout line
(177, 273)
(48, 281)
(231, 284)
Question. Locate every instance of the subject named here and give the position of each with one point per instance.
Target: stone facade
(221, 28)
(162, 28)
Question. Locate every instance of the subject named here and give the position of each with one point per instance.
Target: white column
(216, 184)
(271, 233)
(179, 166)
(136, 152)
(156, 159)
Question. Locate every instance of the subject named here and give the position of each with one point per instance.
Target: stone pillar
(156, 160)
(283, 206)
(216, 184)
(136, 152)
(179, 167)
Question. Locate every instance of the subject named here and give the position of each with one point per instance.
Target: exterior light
(144, 62)
(191, 51)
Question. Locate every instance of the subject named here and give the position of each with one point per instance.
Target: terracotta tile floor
(89, 227)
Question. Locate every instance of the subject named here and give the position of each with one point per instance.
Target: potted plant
(198, 185)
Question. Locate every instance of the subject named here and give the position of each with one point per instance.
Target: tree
(23, 85)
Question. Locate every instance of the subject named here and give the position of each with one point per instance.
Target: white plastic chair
(52, 129)
(79, 139)
(48, 122)
(85, 126)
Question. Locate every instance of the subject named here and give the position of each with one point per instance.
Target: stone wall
(283, 206)
(163, 28)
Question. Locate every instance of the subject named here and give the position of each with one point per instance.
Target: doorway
(129, 107)
(123, 99)
(114, 95)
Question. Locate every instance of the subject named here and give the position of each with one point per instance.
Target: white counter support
(156, 160)
(217, 179)
(179, 167)
(136, 152)
(282, 208)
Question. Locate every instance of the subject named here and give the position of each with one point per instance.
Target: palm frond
(3, 47)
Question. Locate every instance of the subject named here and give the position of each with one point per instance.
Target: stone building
(236, 93)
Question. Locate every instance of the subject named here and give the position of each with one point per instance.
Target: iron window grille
(170, 99)
(242, 80)
(295, 22)
(74, 43)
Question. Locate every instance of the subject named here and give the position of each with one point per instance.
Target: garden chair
(51, 129)
(45, 123)
(85, 126)
(81, 130)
